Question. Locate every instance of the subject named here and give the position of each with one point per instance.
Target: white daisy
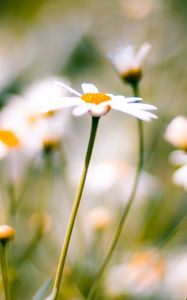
(128, 62)
(175, 283)
(140, 275)
(176, 132)
(97, 103)
(180, 175)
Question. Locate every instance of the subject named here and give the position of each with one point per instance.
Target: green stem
(95, 121)
(3, 258)
(68, 190)
(126, 210)
(140, 163)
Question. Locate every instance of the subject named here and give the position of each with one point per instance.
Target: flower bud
(6, 233)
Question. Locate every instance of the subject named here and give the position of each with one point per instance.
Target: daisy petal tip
(152, 107)
(153, 117)
(89, 88)
(57, 82)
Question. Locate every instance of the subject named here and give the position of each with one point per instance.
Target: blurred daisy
(128, 62)
(141, 275)
(44, 93)
(176, 132)
(180, 176)
(23, 126)
(176, 277)
(106, 179)
(98, 218)
(25, 133)
(97, 103)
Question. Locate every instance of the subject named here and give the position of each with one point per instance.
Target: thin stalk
(54, 295)
(126, 210)
(69, 196)
(4, 268)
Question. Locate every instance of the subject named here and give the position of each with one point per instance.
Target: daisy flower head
(128, 62)
(98, 104)
(140, 275)
(179, 177)
(176, 132)
(175, 282)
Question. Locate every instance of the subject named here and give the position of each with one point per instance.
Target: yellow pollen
(95, 98)
(9, 138)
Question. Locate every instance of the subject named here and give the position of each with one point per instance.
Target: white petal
(142, 106)
(142, 53)
(89, 88)
(59, 103)
(133, 99)
(3, 150)
(123, 100)
(180, 177)
(178, 157)
(123, 58)
(140, 114)
(80, 110)
(67, 87)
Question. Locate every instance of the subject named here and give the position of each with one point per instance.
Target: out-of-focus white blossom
(21, 119)
(141, 275)
(179, 177)
(114, 179)
(25, 133)
(175, 285)
(98, 218)
(176, 132)
(44, 93)
(128, 62)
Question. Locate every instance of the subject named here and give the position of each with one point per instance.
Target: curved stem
(95, 121)
(3, 258)
(126, 210)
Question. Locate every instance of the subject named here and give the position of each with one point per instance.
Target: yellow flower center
(95, 98)
(9, 138)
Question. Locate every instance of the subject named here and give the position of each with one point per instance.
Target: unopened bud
(6, 232)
